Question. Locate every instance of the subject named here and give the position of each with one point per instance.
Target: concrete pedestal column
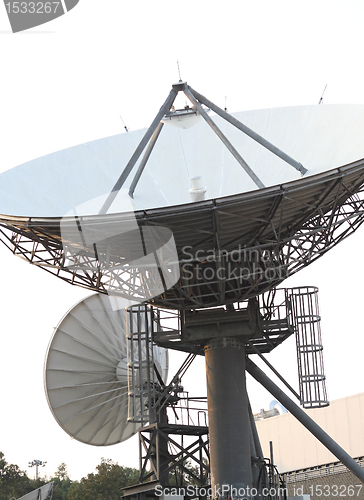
(229, 427)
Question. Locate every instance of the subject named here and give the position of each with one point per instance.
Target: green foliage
(61, 488)
(61, 472)
(62, 483)
(13, 481)
(187, 475)
(106, 484)
(37, 483)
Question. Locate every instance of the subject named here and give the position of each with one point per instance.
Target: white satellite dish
(322, 138)
(43, 493)
(86, 373)
(273, 189)
(278, 186)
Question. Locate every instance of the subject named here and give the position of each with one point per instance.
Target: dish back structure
(87, 372)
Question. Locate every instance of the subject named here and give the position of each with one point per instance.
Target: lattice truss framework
(228, 250)
(155, 466)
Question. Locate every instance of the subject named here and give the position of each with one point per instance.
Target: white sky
(69, 80)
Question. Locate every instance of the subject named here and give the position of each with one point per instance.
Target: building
(308, 466)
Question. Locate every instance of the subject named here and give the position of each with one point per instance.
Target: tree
(61, 472)
(35, 484)
(106, 484)
(13, 481)
(62, 482)
(185, 476)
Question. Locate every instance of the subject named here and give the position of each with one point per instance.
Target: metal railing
(140, 362)
(307, 325)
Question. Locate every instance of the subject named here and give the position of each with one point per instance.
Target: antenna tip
(179, 72)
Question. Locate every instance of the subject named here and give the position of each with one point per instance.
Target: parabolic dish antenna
(86, 373)
(277, 189)
(45, 492)
(320, 137)
(187, 218)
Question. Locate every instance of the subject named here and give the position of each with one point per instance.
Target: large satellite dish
(189, 218)
(280, 186)
(86, 373)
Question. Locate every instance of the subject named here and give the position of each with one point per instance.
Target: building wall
(332, 481)
(295, 448)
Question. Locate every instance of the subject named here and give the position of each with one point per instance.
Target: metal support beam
(263, 142)
(258, 473)
(305, 420)
(229, 426)
(255, 456)
(258, 447)
(120, 182)
(223, 138)
(163, 457)
(276, 373)
(173, 463)
(145, 158)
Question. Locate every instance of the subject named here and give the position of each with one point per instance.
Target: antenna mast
(179, 71)
(322, 96)
(126, 128)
